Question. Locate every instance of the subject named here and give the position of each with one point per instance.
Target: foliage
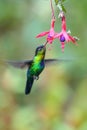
(60, 4)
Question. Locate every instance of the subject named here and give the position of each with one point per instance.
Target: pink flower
(64, 36)
(50, 34)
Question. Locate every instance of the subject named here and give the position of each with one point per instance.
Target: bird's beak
(45, 44)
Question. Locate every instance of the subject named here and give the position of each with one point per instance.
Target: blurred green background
(58, 100)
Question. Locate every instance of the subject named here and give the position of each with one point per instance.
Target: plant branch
(53, 16)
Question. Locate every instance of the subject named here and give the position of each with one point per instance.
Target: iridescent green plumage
(35, 66)
(38, 64)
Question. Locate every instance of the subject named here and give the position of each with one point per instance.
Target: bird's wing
(27, 63)
(19, 64)
(54, 61)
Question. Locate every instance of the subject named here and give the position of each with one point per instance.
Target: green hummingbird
(35, 66)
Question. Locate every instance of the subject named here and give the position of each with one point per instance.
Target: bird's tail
(29, 84)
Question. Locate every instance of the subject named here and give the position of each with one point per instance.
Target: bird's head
(40, 50)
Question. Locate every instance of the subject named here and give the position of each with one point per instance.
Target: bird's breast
(37, 68)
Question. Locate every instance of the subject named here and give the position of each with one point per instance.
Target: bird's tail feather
(29, 84)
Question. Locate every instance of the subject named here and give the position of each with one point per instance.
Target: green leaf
(56, 1)
(63, 0)
(63, 8)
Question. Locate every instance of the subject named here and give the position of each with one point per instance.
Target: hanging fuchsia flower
(50, 34)
(64, 36)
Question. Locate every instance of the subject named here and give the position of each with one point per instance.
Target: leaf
(60, 5)
(63, 8)
(63, 0)
(56, 1)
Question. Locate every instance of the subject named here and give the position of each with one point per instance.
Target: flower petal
(66, 36)
(72, 39)
(51, 32)
(50, 41)
(57, 35)
(62, 46)
(52, 23)
(63, 23)
(42, 34)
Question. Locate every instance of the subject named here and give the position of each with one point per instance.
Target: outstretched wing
(54, 61)
(19, 64)
(27, 63)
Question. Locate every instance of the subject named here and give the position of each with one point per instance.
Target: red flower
(64, 36)
(50, 34)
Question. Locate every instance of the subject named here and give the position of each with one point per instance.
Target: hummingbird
(35, 66)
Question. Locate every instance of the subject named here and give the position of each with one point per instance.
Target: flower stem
(53, 16)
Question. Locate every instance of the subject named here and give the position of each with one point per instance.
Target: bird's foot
(36, 77)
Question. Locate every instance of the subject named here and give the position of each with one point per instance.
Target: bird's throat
(38, 58)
